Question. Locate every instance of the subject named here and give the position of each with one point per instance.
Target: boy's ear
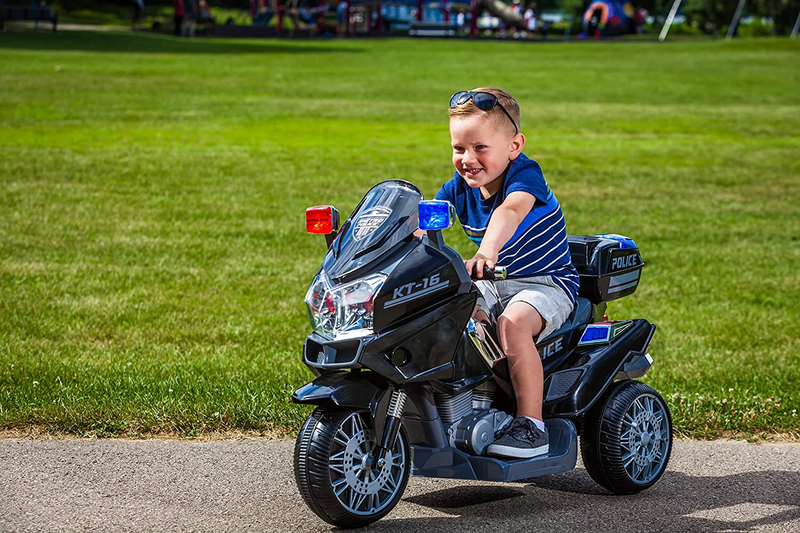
(517, 144)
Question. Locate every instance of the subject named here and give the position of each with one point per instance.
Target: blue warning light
(436, 215)
(596, 334)
(624, 242)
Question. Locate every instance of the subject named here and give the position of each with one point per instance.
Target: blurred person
(189, 18)
(531, 17)
(342, 17)
(638, 20)
(179, 10)
(138, 10)
(205, 11)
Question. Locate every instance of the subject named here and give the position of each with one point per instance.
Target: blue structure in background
(609, 17)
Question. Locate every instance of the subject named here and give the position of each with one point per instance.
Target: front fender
(354, 390)
(345, 389)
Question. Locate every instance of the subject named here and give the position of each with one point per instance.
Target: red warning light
(319, 219)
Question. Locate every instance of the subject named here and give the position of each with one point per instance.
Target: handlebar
(490, 274)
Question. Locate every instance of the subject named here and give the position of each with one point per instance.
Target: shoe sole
(518, 453)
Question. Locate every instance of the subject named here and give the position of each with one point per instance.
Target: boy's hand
(478, 261)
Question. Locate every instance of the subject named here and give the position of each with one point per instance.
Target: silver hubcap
(364, 484)
(645, 438)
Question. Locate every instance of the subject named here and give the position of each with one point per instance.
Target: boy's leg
(523, 438)
(517, 327)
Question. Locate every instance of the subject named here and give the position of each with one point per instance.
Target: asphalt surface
(249, 485)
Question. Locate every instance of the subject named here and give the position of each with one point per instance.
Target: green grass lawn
(153, 259)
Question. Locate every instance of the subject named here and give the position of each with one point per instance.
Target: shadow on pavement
(572, 502)
(150, 43)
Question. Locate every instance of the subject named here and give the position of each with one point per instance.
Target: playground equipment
(447, 17)
(796, 28)
(349, 17)
(731, 28)
(33, 12)
(379, 17)
(606, 18)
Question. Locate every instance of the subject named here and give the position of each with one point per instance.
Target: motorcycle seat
(581, 315)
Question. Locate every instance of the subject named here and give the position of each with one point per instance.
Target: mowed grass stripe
(153, 259)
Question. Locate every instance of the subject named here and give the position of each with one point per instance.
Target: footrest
(456, 464)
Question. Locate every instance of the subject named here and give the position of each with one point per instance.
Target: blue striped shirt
(539, 245)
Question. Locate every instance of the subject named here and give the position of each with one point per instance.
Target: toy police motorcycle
(411, 379)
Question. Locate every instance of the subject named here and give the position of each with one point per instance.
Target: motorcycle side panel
(598, 368)
(422, 279)
(452, 463)
(430, 341)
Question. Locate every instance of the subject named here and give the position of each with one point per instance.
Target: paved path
(211, 486)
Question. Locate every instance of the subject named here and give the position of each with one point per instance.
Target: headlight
(343, 311)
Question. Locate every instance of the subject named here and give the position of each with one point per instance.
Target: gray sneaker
(521, 440)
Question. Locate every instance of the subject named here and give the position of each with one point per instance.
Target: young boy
(506, 207)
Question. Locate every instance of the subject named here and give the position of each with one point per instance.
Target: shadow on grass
(151, 43)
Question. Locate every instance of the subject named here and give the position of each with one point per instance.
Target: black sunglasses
(483, 101)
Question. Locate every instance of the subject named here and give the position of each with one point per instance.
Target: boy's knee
(519, 322)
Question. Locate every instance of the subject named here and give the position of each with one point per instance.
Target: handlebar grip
(490, 274)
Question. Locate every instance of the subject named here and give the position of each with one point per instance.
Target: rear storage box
(610, 266)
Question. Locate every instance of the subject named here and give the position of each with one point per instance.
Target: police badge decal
(369, 221)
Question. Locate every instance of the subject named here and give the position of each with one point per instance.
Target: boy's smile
(482, 151)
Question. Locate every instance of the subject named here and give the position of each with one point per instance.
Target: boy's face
(481, 151)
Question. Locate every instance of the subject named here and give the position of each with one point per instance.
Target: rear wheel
(629, 438)
(339, 477)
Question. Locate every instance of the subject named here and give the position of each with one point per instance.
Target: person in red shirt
(177, 5)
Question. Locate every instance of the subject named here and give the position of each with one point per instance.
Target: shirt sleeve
(531, 180)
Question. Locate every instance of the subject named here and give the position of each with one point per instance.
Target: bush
(756, 28)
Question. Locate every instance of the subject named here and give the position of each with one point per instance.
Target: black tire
(329, 475)
(628, 438)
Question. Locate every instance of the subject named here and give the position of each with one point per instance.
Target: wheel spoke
(637, 407)
(627, 435)
(338, 456)
(649, 407)
(374, 501)
(336, 462)
(341, 437)
(358, 424)
(352, 500)
(646, 471)
(339, 486)
(628, 459)
(628, 419)
(360, 501)
(391, 483)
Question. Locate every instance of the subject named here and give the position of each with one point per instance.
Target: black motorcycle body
(428, 382)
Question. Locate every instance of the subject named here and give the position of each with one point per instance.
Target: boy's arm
(502, 225)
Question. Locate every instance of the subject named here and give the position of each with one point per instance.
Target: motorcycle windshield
(387, 215)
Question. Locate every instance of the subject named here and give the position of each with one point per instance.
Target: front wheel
(629, 438)
(339, 477)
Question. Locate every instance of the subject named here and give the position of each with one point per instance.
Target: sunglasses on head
(483, 101)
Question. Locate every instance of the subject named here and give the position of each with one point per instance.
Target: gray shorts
(539, 292)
